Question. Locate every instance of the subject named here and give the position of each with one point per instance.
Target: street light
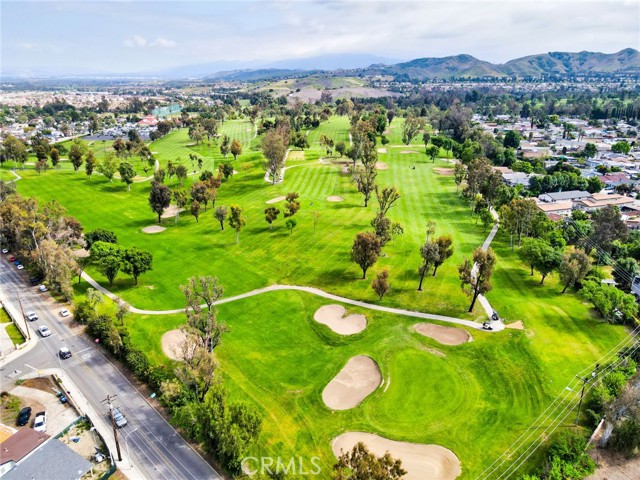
(126, 441)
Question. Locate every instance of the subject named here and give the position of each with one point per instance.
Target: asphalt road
(156, 449)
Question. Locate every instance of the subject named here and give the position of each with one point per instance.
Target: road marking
(84, 350)
(85, 356)
(14, 374)
(32, 368)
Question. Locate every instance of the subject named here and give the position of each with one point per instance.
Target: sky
(127, 36)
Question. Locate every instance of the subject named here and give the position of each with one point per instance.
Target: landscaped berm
(421, 462)
(333, 316)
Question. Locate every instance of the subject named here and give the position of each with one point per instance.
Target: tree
(430, 254)
(486, 218)
(386, 198)
(224, 146)
(54, 154)
(109, 266)
(459, 174)
(365, 180)
(621, 147)
(607, 227)
(475, 277)
(108, 167)
(127, 174)
(316, 216)
(237, 220)
(41, 166)
(365, 251)
(226, 169)
(548, 262)
(594, 184)
(396, 231)
(574, 268)
(431, 229)
(433, 152)
(624, 271)
(382, 228)
(290, 224)
(159, 198)
(533, 250)
(75, 156)
(220, 214)
(181, 173)
(341, 148)
(99, 235)
(614, 305)
(15, 149)
(136, 262)
(445, 250)
(590, 150)
(299, 140)
(511, 139)
(292, 204)
(270, 215)
(180, 197)
(274, 149)
(381, 283)
(202, 290)
(412, 125)
(360, 464)
(195, 209)
(236, 149)
(89, 163)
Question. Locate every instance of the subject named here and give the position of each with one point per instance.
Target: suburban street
(155, 448)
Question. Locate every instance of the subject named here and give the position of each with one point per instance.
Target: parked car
(12, 258)
(64, 312)
(5, 251)
(42, 288)
(44, 331)
(34, 281)
(16, 262)
(31, 316)
(118, 418)
(20, 266)
(23, 416)
(40, 422)
(64, 353)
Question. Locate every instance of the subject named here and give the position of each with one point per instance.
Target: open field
(474, 398)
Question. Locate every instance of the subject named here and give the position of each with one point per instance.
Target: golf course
(319, 374)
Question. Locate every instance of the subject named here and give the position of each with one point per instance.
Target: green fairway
(474, 399)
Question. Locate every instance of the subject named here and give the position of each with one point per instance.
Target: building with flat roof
(563, 196)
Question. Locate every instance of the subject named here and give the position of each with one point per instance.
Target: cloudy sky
(139, 35)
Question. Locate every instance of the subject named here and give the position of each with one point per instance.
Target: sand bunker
(172, 211)
(515, 325)
(334, 198)
(444, 335)
(406, 152)
(381, 166)
(333, 317)
(275, 200)
(421, 461)
(443, 171)
(171, 342)
(382, 150)
(153, 229)
(356, 381)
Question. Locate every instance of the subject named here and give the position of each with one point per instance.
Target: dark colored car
(16, 262)
(24, 416)
(64, 353)
(12, 258)
(34, 281)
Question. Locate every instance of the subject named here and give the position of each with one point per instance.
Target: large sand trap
(275, 200)
(153, 229)
(381, 166)
(334, 198)
(171, 342)
(443, 171)
(515, 325)
(444, 335)
(172, 211)
(356, 381)
(422, 462)
(333, 317)
(382, 150)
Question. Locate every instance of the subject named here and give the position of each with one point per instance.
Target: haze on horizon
(145, 36)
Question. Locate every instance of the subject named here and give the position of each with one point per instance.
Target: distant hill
(553, 63)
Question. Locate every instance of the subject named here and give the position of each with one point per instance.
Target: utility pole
(585, 380)
(26, 325)
(113, 423)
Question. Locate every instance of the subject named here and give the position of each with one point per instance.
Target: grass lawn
(4, 316)
(14, 334)
(474, 399)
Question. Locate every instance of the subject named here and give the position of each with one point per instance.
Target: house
(601, 200)
(614, 179)
(517, 178)
(18, 446)
(571, 195)
(557, 209)
(148, 121)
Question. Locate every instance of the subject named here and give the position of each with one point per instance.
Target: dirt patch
(46, 384)
(382, 150)
(275, 200)
(381, 166)
(295, 155)
(153, 229)
(172, 211)
(334, 198)
(345, 170)
(612, 466)
(407, 152)
(443, 171)
(333, 316)
(443, 335)
(356, 381)
(515, 325)
(171, 342)
(419, 460)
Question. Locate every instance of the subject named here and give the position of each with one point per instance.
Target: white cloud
(135, 41)
(29, 45)
(163, 43)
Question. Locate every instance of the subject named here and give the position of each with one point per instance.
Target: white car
(40, 422)
(64, 312)
(42, 288)
(20, 266)
(118, 418)
(5, 251)
(44, 331)
(31, 316)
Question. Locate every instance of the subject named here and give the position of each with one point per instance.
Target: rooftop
(54, 456)
(20, 444)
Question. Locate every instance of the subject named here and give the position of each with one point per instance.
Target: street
(155, 448)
